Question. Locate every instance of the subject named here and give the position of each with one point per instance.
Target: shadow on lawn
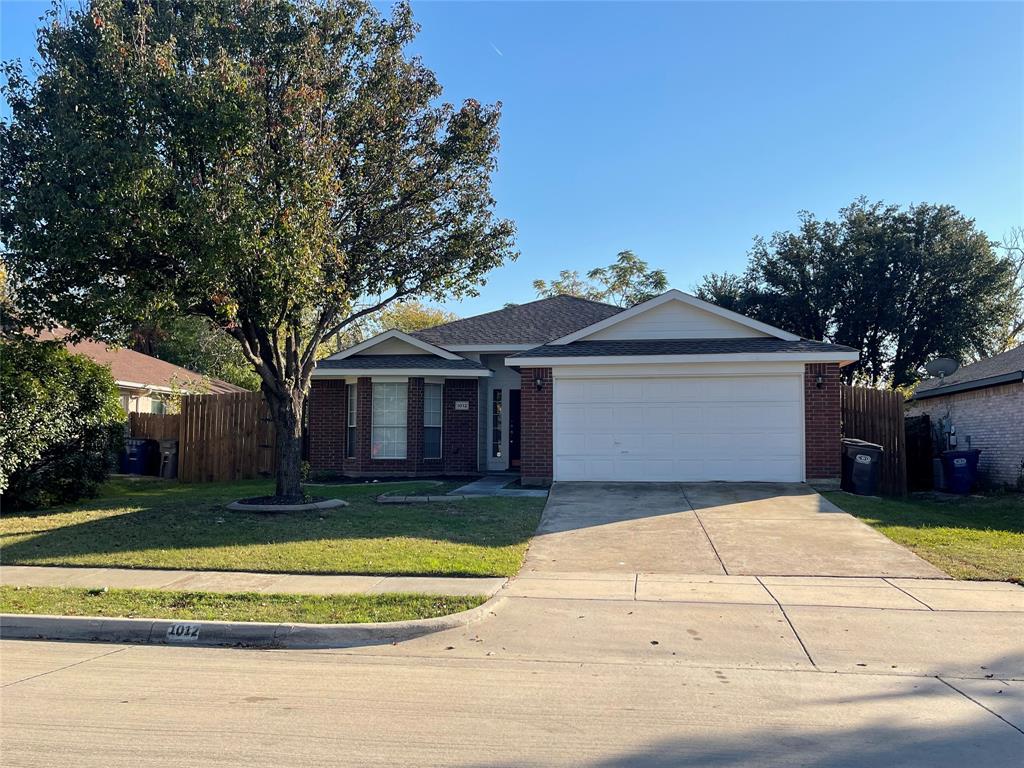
(990, 513)
(188, 517)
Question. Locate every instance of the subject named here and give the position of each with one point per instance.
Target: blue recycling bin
(960, 469)
(140, 457)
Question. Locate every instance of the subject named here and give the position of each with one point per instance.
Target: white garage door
(685, 428)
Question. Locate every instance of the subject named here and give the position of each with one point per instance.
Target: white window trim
(351, 419)
(374, 427)
(440, 421)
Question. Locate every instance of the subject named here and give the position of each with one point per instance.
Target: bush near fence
(220, 438)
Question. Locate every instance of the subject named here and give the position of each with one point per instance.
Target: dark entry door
(513, 428)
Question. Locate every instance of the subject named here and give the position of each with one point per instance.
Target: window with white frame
(432, 398)
(389, 420)
(350, 435)
(496, 424)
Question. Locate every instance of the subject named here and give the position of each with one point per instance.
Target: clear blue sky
(681, 130)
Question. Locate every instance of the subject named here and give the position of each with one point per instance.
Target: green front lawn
(968, 538)
(248, 606)
(137, 524)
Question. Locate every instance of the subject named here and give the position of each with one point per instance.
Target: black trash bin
(960, 469)
(169, 459)
(140, 456)
(862, 463)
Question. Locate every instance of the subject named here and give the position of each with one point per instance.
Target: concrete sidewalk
(241, 581)
(880, 626)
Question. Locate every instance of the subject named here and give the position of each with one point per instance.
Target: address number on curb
(183, 633)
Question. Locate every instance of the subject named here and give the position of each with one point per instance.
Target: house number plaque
(462, 405)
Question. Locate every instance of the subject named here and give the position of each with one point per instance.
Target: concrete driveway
(760, 529)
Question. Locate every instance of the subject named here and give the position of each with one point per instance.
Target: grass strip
(244, 606)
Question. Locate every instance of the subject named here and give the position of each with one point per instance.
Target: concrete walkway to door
(762, 529)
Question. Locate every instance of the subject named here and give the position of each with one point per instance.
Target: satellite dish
(941, 367)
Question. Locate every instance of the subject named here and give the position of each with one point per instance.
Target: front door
(513, 428)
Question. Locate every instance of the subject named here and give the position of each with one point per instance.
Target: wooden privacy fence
(876, 415)
(220, 437)
(154, 426)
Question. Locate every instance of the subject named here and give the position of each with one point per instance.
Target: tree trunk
(287, 415)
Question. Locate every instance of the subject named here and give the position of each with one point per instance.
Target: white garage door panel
(684, 428)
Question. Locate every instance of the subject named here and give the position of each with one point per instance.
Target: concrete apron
(867, 626)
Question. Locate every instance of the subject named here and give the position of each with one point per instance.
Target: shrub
(61, 424)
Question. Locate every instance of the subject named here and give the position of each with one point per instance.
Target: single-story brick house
(145, 384)
(984, 401)
(673, 389)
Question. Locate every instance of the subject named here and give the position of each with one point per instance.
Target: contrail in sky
(496, 49)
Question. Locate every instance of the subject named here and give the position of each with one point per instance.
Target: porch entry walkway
(241, 581)
(494, 485)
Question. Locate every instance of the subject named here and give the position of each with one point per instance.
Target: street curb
(231, 633)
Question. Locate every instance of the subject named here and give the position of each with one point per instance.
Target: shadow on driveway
(763, 529)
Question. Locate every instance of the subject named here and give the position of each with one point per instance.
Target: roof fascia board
(488, 348)
(967, 386)
(685, 298)
(843, 358)
(154, 387)
(426, 346)
(341, 373)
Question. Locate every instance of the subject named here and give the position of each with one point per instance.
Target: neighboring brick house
(984, 402)
(673, 389)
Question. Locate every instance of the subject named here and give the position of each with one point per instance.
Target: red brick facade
(328, 431)
(822, 427)
(536, 414)
(327, 428)
(459, 450)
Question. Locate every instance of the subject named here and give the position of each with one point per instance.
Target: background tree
(197, 344)
(1012, 246)
(408, 316)
(901, 285)
(625, 282)
(271, 166)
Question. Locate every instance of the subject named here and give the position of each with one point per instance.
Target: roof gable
(394, 343)
(676, 315)
(676, 320)
(528, 325)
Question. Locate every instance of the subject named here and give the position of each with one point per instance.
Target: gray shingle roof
(681, 347)
(401, 361)
(532, 323)
(1009, 362)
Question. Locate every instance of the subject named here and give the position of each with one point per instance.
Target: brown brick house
(674, 389)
